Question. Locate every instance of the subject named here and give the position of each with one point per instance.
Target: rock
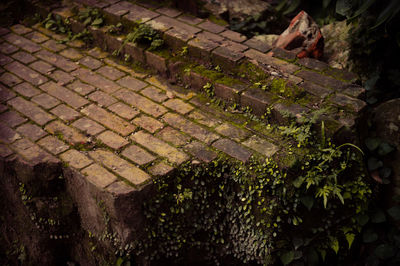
(303, 37)
(337, 47)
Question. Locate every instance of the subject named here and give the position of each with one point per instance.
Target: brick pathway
(60, 103)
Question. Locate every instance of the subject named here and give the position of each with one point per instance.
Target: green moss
(218, 21)
(226, 80)
(210, 74)
(251, 72)
(163, 52)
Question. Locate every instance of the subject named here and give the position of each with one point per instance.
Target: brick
(32, 152)
(4, 59)
(53, 46)
(45, 100)
(97, 53)
(173, 136)
(69, 134)
(42, 67)
(5, 151)
(233, 149)
(65, 113)
(71, 53)
(96, 80)
(148, 123)
(53, 145)
(283, 54)
(115, 12)
(8, 135)
(280, 110)
(3, 108)
(138, 13)
(22, 42)
(190, 19)
(271, 61)
(161, 148)
(229, 93)
(6, 48)
(179, 106)
(132, 83)
(176, 39)
(75, 159)
(81, 88)
(31, 131)
(108, 119)
(20, 29)
(234, 36)
(90, 62)
(201, 152)
(321, 79)
(149, 4)
(313, 64)
(315, 89)
(99, 176)
(203, 44)
(212, 27)
(26, 73)
(123, 110)
(355, 91)
(3, 31)
(102, 98)
(112, 140)
(235, 133)
(9, 79)
(30, 110)
(140, 102)
(138, 155)
(164, 23)
(160, 169)
(110, 72)
(36, 37)
(11, 119)
(154, 94)
(120, 166)
(64, 94)
(204, 119)
(170, 12)
(258, 44)
(24, 57)
(257, 100)
(261, 146)
(342, 74)
(88, 126)
(135, 52)
(157, 62)
(62, 77)
(190, 128)
(57, 60)
(349, 102)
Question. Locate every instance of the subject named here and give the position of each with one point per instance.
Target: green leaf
(343, 7)
(378, 217)
(384, 251)
(297, 242)
(294, 5)
(369, 236)
(385, 149)
(364, 7)
(87, 21)
(350, 238)
(372, 143)
(97, 22)
(362, 219)
(335, 244)
(394, 212)
(307, 201)
(374, 164)
(119, 261)
(298, 182)
(387, 13)
(287, 257)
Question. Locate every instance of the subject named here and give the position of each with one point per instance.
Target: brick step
(249, 81)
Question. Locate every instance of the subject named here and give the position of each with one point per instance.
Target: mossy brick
(313, 64)
(342, 74)
(200, 151)
(196, 80)
(261, 146)
(204, 118)
(230, 93)
(159, 147)
(135, 52)
(98, 176)
(234, 36)
(317, 90)
(257, 100)
(112, 140)
(99, 35)
(23, 57)
(12, 119)
(31, 131)
(118, 165)
(346, 101)
(138, 155)
(226, 58)
(202, 45)
(211, 27)
(161, 169)
(268, 60)
(258, 45)
(22, 42)
(281, 109)
(75, 159)
(141, 103)
(173, 136)
(30, 110)
(355, 91)
(68, 133)
(232, 132)
(157, 62)
(321, 79)
(233, 149)
(108, 119)
(283, 54)
(53, 145)
(178, 106)
(154, 93)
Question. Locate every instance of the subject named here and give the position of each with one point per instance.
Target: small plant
(91, 17)
(116, 29)
(144, 34)
(208, 88)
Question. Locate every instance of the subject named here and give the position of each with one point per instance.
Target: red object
(303, 37)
